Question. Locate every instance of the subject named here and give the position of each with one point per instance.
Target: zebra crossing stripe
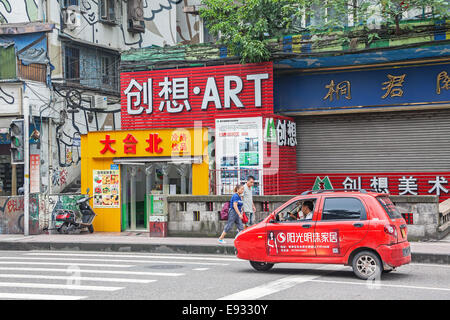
(22, 296)
(57, 286)
(162, 274)
(117, 260)
(68, 264)
(81, 278)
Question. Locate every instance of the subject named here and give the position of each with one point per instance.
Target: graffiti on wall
(11, 11)
(12, 218)
(163, 25)
(58, 202)
(6, 97)
(59, 177)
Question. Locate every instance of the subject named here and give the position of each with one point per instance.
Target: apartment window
(108, 12)
(106, 65)
(67, 3)
(72, 64)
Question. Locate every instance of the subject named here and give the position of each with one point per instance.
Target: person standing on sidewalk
(235, 214)
(249, 206)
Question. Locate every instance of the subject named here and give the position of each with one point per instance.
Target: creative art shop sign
(176, 98)
(364, 89)
(146, 143)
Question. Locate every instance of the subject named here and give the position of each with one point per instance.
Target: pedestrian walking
(235, 214)
(249, 207)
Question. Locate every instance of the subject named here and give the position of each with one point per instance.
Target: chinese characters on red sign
(433, 183)
(177, 98)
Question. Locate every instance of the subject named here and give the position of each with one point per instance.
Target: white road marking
(430, 265)
(81, 278)
(365, 283)
(57, 286)
(117, 260)
(68, 264)
(200, 269)
(163, 274)
(5, 295)
(277, 285)
(132, 256)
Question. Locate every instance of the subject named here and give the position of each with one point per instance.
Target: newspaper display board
(239, 153)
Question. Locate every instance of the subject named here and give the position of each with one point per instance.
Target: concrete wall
(425, 210)
(181, 214)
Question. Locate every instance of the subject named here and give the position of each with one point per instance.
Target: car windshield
(389, 207)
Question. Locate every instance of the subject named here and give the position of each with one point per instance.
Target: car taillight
(391, 230)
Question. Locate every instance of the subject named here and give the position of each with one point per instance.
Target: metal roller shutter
(414, 141)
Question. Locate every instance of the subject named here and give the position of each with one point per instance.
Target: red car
(357, 228)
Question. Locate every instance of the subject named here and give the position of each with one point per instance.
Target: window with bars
(72, 64)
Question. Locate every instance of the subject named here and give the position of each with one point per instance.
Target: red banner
(174, 98)
(406, 183)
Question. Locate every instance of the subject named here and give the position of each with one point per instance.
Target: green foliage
(246, 26)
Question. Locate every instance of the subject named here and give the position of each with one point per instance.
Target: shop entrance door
(142, 180)
(134, 208)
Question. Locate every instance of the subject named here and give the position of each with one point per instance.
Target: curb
(417, 257)
(118, 247)
(436, 258)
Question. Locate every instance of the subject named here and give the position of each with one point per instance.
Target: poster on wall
(35, 162)
(239, 153)
(106, 188)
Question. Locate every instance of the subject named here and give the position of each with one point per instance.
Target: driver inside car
(307, 210)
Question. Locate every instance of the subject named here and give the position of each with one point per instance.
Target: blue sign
(114, 167)
(375, 88)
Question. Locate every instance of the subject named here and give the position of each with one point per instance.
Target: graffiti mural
(12, 11)
(55, 203)
(11, 214)
(163, 25)
(8, 98)
(59, 177)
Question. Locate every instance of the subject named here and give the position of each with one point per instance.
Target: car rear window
(389, 207)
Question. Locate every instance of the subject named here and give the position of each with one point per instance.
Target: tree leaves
(246, 26)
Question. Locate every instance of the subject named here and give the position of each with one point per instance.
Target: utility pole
(26, 166)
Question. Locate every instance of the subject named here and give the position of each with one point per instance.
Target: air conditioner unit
(99, 102)
(135, 18)
(71, 16)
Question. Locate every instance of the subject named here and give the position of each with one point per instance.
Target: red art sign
(408, 183)
(176, 98)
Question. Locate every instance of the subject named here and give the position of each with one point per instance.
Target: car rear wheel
(367, 265)
(261, 266)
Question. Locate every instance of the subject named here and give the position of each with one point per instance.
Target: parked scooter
(68, 221)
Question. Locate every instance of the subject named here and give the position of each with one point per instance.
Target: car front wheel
(367, 265)
(261, 266)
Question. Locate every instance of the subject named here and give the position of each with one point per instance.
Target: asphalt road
(102, 275)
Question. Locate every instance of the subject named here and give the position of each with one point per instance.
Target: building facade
(63, 55)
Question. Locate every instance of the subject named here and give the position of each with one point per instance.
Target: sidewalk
(423, 252)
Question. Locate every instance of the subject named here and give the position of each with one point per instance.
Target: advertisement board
(106, 188)
(239, 153)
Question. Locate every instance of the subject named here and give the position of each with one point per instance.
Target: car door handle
(358, 225)
(306, 226)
